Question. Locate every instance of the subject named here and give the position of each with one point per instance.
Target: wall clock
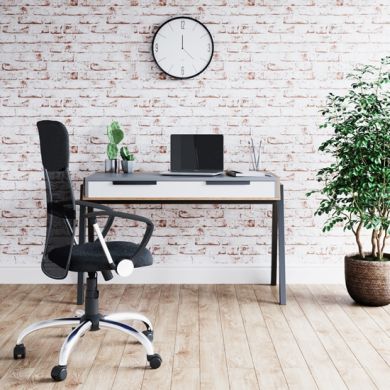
(182, 47)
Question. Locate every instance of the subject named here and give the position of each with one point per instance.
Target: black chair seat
(90, 257)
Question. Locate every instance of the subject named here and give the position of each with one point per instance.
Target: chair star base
(92, 320)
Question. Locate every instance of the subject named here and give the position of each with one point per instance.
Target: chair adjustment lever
(125, 267)
(107, 275)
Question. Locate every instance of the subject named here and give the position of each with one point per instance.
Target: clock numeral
(182, 70)
(156, 47)
(183, 23)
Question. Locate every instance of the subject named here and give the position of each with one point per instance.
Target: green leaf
(356, 184)
(115, 133)
(125, 154)
(112, 151)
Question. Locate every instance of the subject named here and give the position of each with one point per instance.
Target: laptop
(196, 155)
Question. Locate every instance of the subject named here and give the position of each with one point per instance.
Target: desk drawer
(181, 190)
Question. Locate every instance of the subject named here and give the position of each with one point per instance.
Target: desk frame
(277, 231)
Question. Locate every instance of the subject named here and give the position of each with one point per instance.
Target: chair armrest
(111, 212)
(93, 205)
(98, 206)
(108, 211)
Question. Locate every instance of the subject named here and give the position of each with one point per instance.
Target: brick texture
(88, 62)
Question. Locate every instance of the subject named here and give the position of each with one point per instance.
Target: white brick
(88, 64)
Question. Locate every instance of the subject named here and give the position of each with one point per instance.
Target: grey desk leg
(80, 275)
(274, 245)
(282, 259)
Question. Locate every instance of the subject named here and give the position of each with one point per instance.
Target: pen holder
(255, 155)
(111, 166)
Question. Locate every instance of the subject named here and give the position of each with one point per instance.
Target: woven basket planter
(368, 282)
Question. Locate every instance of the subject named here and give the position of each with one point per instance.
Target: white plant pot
(111, 166)
(127, 166)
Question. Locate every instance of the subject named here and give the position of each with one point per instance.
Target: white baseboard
(190, 274)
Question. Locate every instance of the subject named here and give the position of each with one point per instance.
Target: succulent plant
(115, 135)
(125, 154)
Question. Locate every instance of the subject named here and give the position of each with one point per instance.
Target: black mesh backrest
(61, 209)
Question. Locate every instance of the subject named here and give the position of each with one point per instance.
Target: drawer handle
(227, 182)
(133, 182)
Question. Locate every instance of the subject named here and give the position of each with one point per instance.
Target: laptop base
(189, 173)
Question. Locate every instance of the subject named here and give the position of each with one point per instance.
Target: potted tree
(356, 185)
(115, 136)
(127, 160)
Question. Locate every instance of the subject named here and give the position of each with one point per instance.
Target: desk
(152, 188)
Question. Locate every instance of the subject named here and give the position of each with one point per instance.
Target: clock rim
(211, 55)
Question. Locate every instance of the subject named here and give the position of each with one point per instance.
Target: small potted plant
(115, 136)
(127, 160)
(356, 185)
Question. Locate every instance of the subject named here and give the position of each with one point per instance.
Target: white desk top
(155, 176)
(144, 187)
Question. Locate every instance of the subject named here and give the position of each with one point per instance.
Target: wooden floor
(210, 337)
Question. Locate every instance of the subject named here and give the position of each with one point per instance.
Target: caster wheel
(58, 373)
(19, 351)
(154, 360)
(149, 334)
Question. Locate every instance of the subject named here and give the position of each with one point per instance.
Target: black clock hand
(188, 53)
(182, 42)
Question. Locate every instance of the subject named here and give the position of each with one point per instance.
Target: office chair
(62, 253)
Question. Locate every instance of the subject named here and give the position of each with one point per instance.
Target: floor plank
(48, 349)
(213, 367)
(316, 356)
(343, 358)
(133, 358)
(243, 378)
(293, 363)
(381, 317)
(34, 371)
(21, 310)
(238, 354)
(369, 329)
(209, 336)
(368, 357)
(265, 360)
(186, 367)
(375, 335)
(106, 362)
(386, 309)
(164, 316)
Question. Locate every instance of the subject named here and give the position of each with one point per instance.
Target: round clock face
(183, 47)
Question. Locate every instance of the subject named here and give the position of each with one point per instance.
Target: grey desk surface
(155, 176)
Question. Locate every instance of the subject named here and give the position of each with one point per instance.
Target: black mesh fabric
(90, 257)
(61, 209)
(54, 142)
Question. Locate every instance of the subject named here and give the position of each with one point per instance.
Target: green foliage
(112, 151)
(115, 135)
(125, 154)
(356, 186)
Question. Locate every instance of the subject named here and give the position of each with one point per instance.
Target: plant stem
(378, 244)
(373, 243)
(383, 245)
(358, 241)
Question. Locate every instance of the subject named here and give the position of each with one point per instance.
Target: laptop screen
(196, 152)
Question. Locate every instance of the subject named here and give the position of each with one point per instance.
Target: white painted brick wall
(88, 62)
